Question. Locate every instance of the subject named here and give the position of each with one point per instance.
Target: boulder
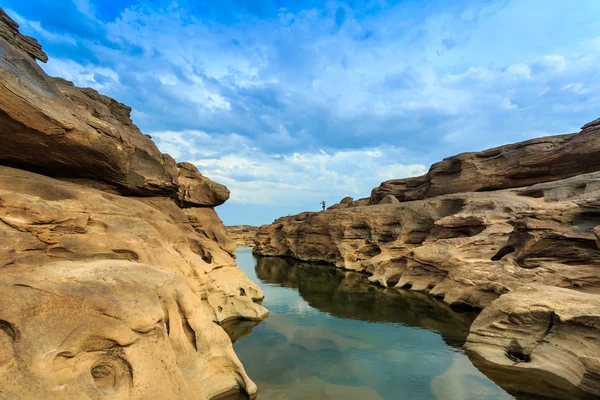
(196, 190)
(540, 334)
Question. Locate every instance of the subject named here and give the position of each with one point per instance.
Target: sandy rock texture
(242, 235)
(515, 165)
(540, 334)
(473, 231)
(468, 248)
(115, 270)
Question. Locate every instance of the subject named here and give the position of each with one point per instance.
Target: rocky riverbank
(115, 268)
(485, 229)
(242, 235)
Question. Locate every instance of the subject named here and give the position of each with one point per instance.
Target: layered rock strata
(115, 270)
(515, 165)
(475, 229)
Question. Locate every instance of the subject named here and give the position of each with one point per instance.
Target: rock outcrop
(540, 334)
(115, 270)
(242, 235)
(521, 164)
(477, 228)
(468, 248)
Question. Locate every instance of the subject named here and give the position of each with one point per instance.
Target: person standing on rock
(323, 204)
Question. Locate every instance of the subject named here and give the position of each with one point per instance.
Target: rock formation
(115, 270)
(242, 235)
(477, 227)
(540, 334)
(515, 165)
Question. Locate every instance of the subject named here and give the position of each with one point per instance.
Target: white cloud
(38, 30)
(100, 78)
(255, 177)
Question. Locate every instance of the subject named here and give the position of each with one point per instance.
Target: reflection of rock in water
(238, 328)
(349, 295)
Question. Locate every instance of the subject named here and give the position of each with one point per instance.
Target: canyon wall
(115, 269)
(476, 230)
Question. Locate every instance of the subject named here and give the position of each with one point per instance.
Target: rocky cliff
(474, 230)
(115, 270)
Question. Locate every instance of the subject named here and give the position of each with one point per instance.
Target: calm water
(332, 335)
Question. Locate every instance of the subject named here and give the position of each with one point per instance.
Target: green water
(332, 335)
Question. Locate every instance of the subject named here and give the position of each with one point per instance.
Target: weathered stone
(208, 224)
(48, 125)
(9, 31)
(514, 165)
(468, 248)
(389, 199)
(540, 334)
(110, 329)
(196, 190)
(104, 296)
(242, 235)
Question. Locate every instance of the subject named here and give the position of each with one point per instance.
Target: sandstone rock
(347, 200)
(104, 296)
(9, 31)
(45, 220)
(196, 190)
(110, 329)
(540, 334)
(152, 287)
(208, 224)
(389, 199)
(242, 235)
(49, 126)
(514, 165)
(468, 248)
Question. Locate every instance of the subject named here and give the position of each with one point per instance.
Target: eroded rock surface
(50, 126)
(468, 248)
(515, 165)
(540, 334)
(104, 295)
(242, 235)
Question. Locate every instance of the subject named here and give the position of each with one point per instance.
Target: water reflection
(332, 335)
(347, 294)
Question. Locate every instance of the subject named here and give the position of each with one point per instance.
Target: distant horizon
(289, 103)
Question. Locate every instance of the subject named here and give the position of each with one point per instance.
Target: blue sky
(292, 102)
